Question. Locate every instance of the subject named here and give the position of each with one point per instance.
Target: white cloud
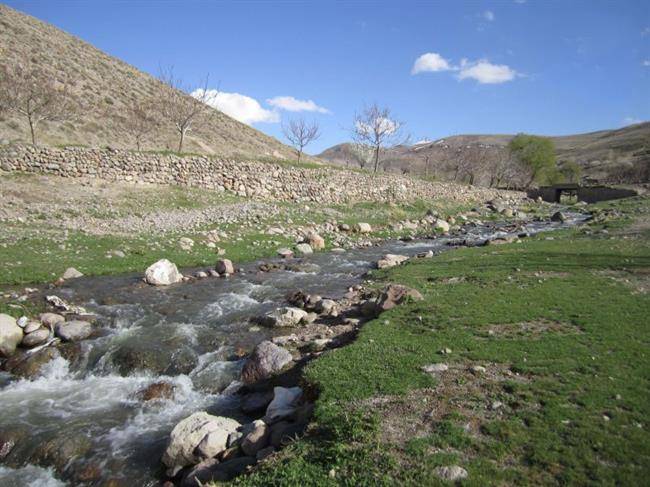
(631, 120)
(485, 72)
(238, 106)
(488, 15)
(291, 104)
(646, 62)
(430, 62)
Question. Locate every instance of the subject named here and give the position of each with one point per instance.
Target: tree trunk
(376, 158)
(32, 131)
(299, 154)
(180, 142)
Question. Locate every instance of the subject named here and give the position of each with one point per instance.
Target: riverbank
(48, 224)
(158, 355)
(524, 364)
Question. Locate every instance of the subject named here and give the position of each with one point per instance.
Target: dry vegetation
(108, 89)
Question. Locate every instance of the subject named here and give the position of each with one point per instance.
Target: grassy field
(560, 325)
(81, 228)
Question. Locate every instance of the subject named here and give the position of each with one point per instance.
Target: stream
(82, 418)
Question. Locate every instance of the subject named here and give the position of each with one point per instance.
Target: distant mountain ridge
(619, 155)
(107, 87)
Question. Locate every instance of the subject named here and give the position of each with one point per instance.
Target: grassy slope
(575, 404)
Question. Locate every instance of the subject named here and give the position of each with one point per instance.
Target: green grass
(575, 409)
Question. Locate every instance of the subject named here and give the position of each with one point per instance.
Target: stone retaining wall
(259, 180)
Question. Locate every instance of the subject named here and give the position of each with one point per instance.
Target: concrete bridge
(588, 194)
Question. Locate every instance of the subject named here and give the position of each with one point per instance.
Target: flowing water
(86, 407)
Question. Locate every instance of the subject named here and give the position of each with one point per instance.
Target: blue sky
(547, 67)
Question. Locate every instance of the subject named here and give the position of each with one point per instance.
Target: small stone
(285, 253)
(71, 273)
(435, 368)
(186, 243)
(363, 227)
(35, 338)
(31, 326)
(451, 473)
(477, 369)
(445, 351)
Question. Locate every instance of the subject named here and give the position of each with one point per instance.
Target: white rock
(71, 273)
(441, 225)
(285, 317)
(304, 249)
(162, 273)
(391, 260)
(451, 473)
(283, 404)
(10, 335)
(435, 368)
(186, 243)
(362, 227)
(189, 433)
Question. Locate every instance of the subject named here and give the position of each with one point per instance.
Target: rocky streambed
(100, 411)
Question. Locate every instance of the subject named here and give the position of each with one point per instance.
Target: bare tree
(32, 94)
(376, 127)
(185, 111)
(140, 121)
(300, 133)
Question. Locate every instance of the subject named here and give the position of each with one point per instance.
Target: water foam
(29, 476)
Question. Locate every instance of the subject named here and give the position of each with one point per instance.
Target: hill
(107, 87)
(621, 155)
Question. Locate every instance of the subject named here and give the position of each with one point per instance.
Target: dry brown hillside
(106, 86)
(620, 155)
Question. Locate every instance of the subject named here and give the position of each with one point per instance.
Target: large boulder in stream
(10, 335)
(286, 316)
(200, 432)
(162, 273)
(73, 331)
(266, 360)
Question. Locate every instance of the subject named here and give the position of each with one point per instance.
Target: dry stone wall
(259, 180)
